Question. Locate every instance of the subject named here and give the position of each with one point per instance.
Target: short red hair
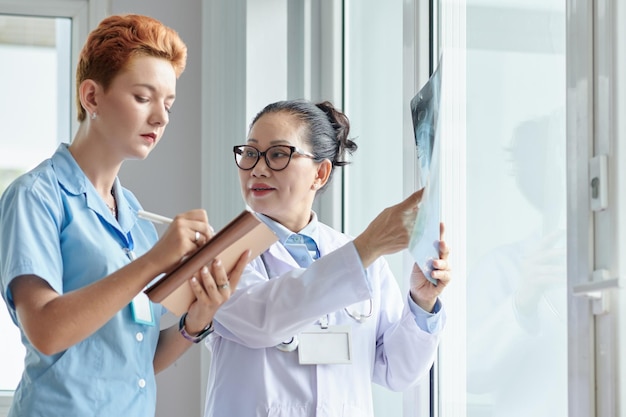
(119, 38)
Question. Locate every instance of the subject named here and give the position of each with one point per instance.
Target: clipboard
(246, 231)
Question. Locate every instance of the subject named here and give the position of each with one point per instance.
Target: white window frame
(581, 401)
(448, 42)
(596, 233)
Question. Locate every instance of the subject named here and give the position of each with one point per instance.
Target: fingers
(195, 226)
(441, 264)
(414, 199)
(444, 249)
(203, 285)
(219, 283)
(184, 235)
(216, 282)
(203, 232)
(441, 275)
(441, 267)
(213, 286)
(221, 279)
(200, 232)
(212, 290)
(410, 207)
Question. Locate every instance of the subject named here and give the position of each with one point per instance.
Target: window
(516, 209)
(35, 80)
(507, 321)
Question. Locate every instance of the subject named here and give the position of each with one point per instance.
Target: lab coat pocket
(290, 411)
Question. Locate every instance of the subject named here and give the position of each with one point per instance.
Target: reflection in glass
(517, 317)
(516, 209)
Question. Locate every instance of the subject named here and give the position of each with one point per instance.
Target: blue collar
(302, 246)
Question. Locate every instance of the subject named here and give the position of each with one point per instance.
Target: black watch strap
(197, 338)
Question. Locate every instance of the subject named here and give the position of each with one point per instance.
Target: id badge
(141, 309)
(331, 345)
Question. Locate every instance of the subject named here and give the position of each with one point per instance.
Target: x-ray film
(425, 109)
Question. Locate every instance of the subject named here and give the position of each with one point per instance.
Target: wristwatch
(197, 338)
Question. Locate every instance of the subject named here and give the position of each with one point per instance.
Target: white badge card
(332, 345)
(141, 309)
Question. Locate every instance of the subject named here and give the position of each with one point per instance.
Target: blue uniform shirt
(53, 224)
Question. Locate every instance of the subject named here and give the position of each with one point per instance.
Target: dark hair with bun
(326, 128)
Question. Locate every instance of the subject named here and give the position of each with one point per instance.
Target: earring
(94, 115)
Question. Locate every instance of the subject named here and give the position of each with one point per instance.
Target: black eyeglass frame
(293, 150)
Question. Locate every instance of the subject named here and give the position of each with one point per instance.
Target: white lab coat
(250, 377)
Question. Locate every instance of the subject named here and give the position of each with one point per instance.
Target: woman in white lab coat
(304, 336)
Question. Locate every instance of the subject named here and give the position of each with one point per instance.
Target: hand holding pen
(185, 233)
(212, 285)
(157, 218)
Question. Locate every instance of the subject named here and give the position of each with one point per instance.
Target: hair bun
(341, 125)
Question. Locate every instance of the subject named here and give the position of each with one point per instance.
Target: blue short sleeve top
(54, 225)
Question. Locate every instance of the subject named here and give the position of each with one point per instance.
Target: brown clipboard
(244, 232)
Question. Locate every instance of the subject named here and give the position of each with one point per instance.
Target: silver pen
(155, 218)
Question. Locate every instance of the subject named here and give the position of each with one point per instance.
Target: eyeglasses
(276, 157)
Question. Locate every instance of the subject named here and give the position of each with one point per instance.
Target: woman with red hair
(75, 256)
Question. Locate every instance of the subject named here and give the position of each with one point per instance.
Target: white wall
(170, 180)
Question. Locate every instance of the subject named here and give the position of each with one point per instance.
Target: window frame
(84, 14)
(596, 235)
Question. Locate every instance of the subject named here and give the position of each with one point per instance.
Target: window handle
(596, 290)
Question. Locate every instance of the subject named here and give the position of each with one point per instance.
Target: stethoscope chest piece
(288, 346)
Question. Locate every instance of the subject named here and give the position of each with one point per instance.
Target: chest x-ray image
(425, 110)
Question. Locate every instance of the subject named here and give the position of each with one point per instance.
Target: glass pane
(35, 85)
(373, 100)
(516, 209)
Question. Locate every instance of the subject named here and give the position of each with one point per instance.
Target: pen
(155, 218)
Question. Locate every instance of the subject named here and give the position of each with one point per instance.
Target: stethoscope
(358, 317)
(292, 344)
